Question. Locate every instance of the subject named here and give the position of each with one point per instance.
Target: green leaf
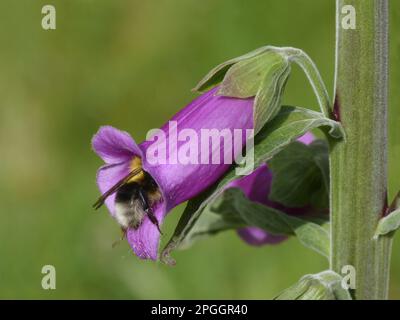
(390, 223)
(309, 233)
(257, 215)
(321, 158)
(232, 210)
(301, 175)
(286, 127)
(326, 285)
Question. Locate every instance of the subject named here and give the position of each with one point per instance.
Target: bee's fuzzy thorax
(135, 164)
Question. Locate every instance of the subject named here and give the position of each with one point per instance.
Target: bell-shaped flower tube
(184, 157)
(257, 187)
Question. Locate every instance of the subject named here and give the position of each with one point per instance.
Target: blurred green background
(131, 64)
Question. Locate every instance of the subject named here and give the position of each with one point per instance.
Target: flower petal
(307, 139)
(256, 186)
(258, 237)
(107, 176)
(114, 146)
(146, 239)
(180, 182)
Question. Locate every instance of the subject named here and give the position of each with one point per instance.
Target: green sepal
(243, 79)
(263, 74)
(217, 74)
(267, 103)
(326, 285)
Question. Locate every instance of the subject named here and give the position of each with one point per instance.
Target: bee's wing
(115, 188)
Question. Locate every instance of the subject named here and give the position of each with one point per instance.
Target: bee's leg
(146, 207)
(153, 219)
(144, 200)
(115, 243)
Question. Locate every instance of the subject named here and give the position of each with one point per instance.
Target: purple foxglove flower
(256, 187)
(176, 182)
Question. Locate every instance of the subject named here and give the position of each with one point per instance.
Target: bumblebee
(135, 197)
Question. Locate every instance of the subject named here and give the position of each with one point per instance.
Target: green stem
(359, 164)
(314, 77)
(311, 71)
